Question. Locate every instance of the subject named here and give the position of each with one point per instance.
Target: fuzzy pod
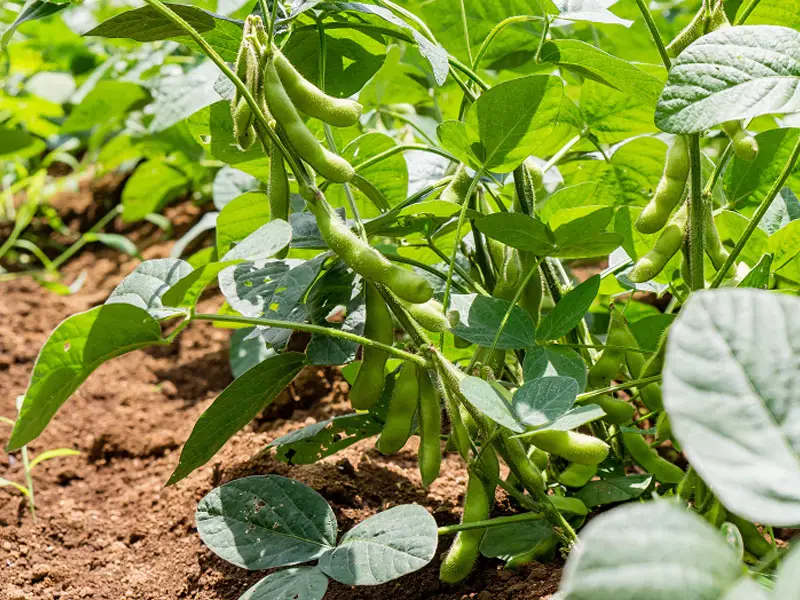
(371, 377)
(669, 191)
(430, 429)
(666, 246)
(647, 457)
(402, 408)
(576, 447)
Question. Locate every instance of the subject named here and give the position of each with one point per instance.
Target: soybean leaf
(784, 245)
(596, 64)
(186, 292)
(266, 521)
(148, 25)
(263, 243)
(148, 282)
(549, 361)
(391, 544)
(18, 486)
(246, 351)
(576, 417)
(734, 73)
(31, 11)
(51, 454)
(543, 400)
(108, 101)
(612, 115)
(614, 489)
(486, 399)
(241, 217)
(730, 383)
(235, 407)
(518, 231)
(298, 583)
(758, 277)
(615, 562)
(180, 96)
(508, 540)
(747, 589)
(15, 143)
(79, 345)
(788, 576)
(569, 311)
(594, 11)
(206, 223)
(775, 12)
(152, 185)
(230, 183)
(480, 317)
(783, 210)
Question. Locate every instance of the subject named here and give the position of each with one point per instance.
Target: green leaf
(593, 63)
(486, 399)
(235, 407)
(37, 9)
(748, 182)
(18, 486)
(298, 583)
(577, 417)
(784, 244)
(616, 562)
(733, 73)
(266, 521)
(148, 282)
(747, 589)
(543, 400)
(185, 292)
(783, 210)
(152, 185)
(79, 345)
(265, 242)
(115, 241)
(569, 311)
(148, 25)
(614, 489)
(614, 116)
(50, 454)
(788, 576)
(108, 101)
(758, 277)
(389, 176)
(230, 184)
(241, 217)
(246, 351)
(516, 538)
(730, 385)
(179, 96)
(594, 11)
(518, 231)
(15, 143)
(391, 544)
(480, 317)
(549, 361)
(775, 12)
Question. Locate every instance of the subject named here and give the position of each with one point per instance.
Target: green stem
(458, 269)
(432, 270)
(72, 250)
(726, 155)
(746, 12)
(600, 347)
(26, 465)
(403, 148)
(309, 328)
(404, 119)
(651, 25)
(496, 30)
(300, 173)
(616, 388)
(520, 290)
(496, 522)
(696, 234)
(554, 160)
(777, 186)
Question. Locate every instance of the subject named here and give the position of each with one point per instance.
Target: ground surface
(107, 527)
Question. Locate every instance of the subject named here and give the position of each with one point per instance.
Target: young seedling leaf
(267, 521)
(298, 583)
(480, 317)
(543, 400)
(730, 388)
(235, 407)
(732, 73)
(486, 399)
(79, 345)
(50, 454)
(148, 282)
(569, 311)
(391, 544)
(550, 361)
(615, 562)
(614, 489)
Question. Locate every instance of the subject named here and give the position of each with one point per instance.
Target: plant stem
(745, 13)
(600, 347)
(651, 25)
(496, 522)
(309, 328)
(708, 190)
(403, 148)
(520, 290)
(696, 237)
(777, 186)
(615, 388)
(74, 248)
(562, 152)
(496, 30)
(28, 481)
(432, 270)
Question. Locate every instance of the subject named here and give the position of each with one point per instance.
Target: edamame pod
(576, 447)
(669, 191)
(647, 457)
(371, 376)
(692, 32)
(745, 146)
(402, 408)
(523, 467)
(331, 166)
(610, 361)
(430, 429)
(366, 260)
(666, 246)
(715, 250)
(429, 314)
(577, 475)
(617, 411)
(456, 191)
(311, 100)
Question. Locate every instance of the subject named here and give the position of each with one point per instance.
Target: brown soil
(107, 527)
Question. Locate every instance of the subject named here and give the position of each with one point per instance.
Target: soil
(106, 526)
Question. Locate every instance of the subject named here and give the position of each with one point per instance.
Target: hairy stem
(696, 233)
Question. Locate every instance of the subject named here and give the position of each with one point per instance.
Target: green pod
(538, 457)
(535, 172)
(718, 19)
(243, 130)
(669, 191)
(458, 188)
(402, 408)
(510, 275)
(617, 411)
(754, 542)
(715, 250)
(541, 552)
(430, 429)
(692, 32)
(532, 295)
(523, 468)
(663, 470)
(651, 393)
(311, 100)
(666, 246)
(663, 428)
(366, 260)
(609, 363)
(577, 475)
(429, 314)
(575, 447)
(331, 166)
(745, 146)
(525, 188)
(371, 376)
